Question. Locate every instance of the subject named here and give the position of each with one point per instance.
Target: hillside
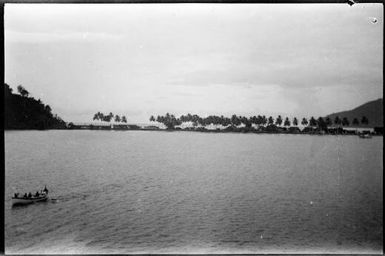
(373, 110)
(24, 112)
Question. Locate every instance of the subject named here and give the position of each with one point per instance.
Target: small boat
(29, 200)
(23, 200)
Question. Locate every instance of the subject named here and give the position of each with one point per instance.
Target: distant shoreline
(238, 130)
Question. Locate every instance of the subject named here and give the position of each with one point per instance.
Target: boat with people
(29, 198)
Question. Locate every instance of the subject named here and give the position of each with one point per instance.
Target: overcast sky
(247, 59)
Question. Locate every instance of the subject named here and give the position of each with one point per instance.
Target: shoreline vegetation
(24, 112)
(269, 130)
(236, 124)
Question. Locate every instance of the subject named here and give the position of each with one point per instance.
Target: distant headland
(22, 112)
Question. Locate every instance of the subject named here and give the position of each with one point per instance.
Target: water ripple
(135, 193)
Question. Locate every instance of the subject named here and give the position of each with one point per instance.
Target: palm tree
(312, 122)
(23, 92)
(263, 120)
(321, 123)
(117, 118)
(345, 121)
(295, 121)
(170, 121)
(246, 121)
(254, 120)
(328, 121)
(124, 119)
(182, 118)
(200, 121)
(287, 122)
(189, 117)
(152, 119)
(337, 120)
(227, 121)
(355, 121)
(364, 120)
(101, 116)
(195, 118)
(107, 118)
(221, 120)
(235, 120)
(304, 121)
(278, 121)
(48, 108)
(270, 120)
(259, 120)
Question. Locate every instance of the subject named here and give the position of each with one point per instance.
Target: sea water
(191, 192)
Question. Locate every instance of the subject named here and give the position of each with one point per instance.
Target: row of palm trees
(109, 117)
(170, 121)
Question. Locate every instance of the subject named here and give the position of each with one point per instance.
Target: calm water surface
(175, 192)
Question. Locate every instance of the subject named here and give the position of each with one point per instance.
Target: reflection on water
(122, 192)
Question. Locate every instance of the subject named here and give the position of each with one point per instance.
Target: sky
(140, 60)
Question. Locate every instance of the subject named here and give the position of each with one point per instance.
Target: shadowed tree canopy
(295, 121)
(345, 121)
(235, 120)
(312, 122)
(261, 122)
(337, 120)
(23, 112)
(278, 121)
(321, 123)
(23, 92)
(304, 121)
(170, 121)
(108, 118)
(287, 122)
(328, 121)
(364, 120)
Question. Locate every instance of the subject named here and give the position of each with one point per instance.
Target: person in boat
(37, 194)
(16, 195)
(45, 190)
(29, 194)
(25, 195)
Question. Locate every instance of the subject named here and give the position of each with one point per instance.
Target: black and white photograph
(193, 128)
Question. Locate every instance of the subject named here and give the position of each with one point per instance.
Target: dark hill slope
(373, 110)
(23, 112)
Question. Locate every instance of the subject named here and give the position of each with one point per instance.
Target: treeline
(24, 112)
(170, 121)
(109, 117)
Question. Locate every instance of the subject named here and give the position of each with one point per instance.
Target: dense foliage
(24, 112)
(270, 124)
(109, 117)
